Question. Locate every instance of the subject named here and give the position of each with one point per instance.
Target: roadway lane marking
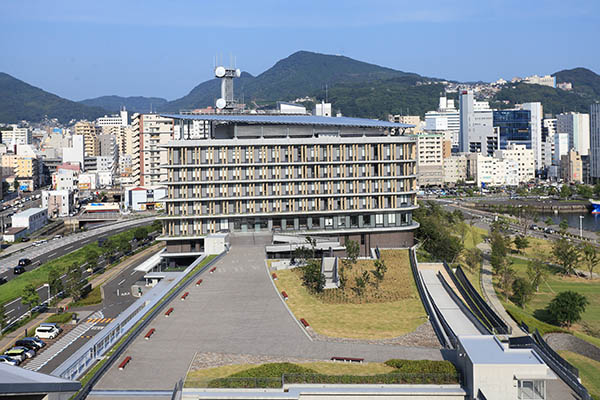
(51, 255)
(69, 247)
(132, 273)
(14, 301)
(8, 312)
(119, 284)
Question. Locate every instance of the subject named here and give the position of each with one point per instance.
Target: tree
(563, 226)
(56, 284)
(506, 276)
(522, 291)
(536, 271)
(565, 191)
(567, 307)
(74, 282)
(473, 258)
(301, 254)
(140, 233)
(521, 243)
(379, 271)
(566, 255)
(312, 243)
(16, 185)
(352, 252)
(549, 221)
(30, 296)
(590, 257)
(361, 283)
(585, 191)
(499, 244)
(312, 277)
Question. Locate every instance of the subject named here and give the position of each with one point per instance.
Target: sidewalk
(490, 293)
(7, 340)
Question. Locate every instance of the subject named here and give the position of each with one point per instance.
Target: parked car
(18, 353)
(18, 270)
(52, 325)
(3, 280)
(30, 343)
(46, 332)
(25, 239)
(57, 237)
(29, 353)
(9, 360)
(24, 262)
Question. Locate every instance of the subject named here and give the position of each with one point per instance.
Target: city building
(121, 119)
(545, 80)
(27, 172)
(548, 132)
(595, 142)
(525, 160)
(536, 116)
(409, 120)
(75, 153)
(476, 125)
(90, 133)
(446, 119)
(141, 199)
(561, 147)
(577, 125)
(430, 168)
(571, 168)
(65, 179)
(345, 177)
(290, 108)
(455, 169)
(88, 181)
(323, 109)
(492, 171)
(514, 127)
(151, 133)
(31, 219)
(16, 136)
(60, 203)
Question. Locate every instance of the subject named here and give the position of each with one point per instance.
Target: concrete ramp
(329, 268)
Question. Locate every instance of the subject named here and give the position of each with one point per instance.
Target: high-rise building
(27, 172)
(90, 133)
(525, 160)
(561, 147)
(577, 125)
(571, 168)
(455, 169)
(76, 152)
(337, 177)
(150, 133)
(430, 168)
(536, 115)
(16, 136)
(595, 142)
(514, 127)
(548, 132)
(121, 119)
(476, 125)
(446, 119)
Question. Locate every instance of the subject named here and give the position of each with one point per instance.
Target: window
(378, 219)
(532, 390)
(392, 219)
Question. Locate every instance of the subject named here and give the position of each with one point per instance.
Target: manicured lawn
(556, 283)
(93, 297)
(62, 318)
(391, 310)
(589, 371)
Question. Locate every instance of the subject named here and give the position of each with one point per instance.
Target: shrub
(273, 370)
(567, 307)
(62, 318)
(421, 366)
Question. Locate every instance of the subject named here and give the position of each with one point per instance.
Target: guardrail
(498, 324)
(426, 300)
(153, 309)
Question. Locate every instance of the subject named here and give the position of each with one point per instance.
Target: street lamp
(581, 226)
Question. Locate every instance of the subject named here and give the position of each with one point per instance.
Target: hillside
(21, 101)
(553, 100)
(302, 73)
(585, 82)
(134, 103)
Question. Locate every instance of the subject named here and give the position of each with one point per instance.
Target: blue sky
(82, 48)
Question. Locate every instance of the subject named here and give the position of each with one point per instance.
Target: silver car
(29, 353)
(9, 361)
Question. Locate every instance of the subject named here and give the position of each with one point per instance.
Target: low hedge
(61, 318)
(422, 366)
(276, 374)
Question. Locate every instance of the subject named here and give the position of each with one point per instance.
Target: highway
(53, 249)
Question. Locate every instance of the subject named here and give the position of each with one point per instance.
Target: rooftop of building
(310, 120)
(29, 212)
(487, 349)
(16, 380)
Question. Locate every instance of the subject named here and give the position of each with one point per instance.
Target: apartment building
(455, 169)
(571, 168)
(90, 133)
(445, 118)
(151, 132)
(334, 176)
(430, 154)
(577, 126)
(16, 136)
(27, 172)
(492, 171)
(523, 156)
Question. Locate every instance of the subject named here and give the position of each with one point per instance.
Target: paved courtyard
(235, 310)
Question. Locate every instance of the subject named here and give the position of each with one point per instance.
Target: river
(591, 222)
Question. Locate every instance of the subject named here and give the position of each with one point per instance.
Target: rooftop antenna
(326, 93)
(226, 101)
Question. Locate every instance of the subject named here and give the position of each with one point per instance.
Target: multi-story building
(446, 118)
(571, 168)
(344, 177)
(75, 153)
(60, 203)
(16, 136)
(151, 132)
(121, 119)
(27, 172)
(561, 147)
(514, 127)
(90, 133)
(430, 168)
(455, 169)
(476, 125)
(536, 114)
(409, 120)
(492, 171)
(548, 132)
(577, 125)
(525, 160)
(595, 142)
(546, 80)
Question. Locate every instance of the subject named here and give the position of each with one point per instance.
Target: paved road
(236, 310)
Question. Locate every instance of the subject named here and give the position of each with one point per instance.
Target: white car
(46, 332)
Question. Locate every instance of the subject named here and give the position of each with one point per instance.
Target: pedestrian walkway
(45, 357)
(490, 294)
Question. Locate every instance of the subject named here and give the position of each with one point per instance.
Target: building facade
(151, 133)
(455, 169)
(344, 177)
(525, 160)
(595, 142)
(430, 153)
(476, 125)
(571, 167)
(577, 126)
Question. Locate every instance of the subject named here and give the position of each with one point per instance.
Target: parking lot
(235, 310)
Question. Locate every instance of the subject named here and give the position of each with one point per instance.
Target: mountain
(21, 101)
(585, 82)
(134, 103)
(302, 73)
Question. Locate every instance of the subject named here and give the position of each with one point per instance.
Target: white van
(46, 332)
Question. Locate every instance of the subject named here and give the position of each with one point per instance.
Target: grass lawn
(556, 283)
(589, 370)
(391, 310)
(93, 297)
